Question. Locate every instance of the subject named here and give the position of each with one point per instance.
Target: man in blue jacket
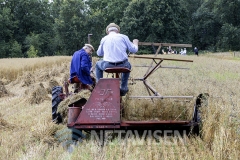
(80, 70)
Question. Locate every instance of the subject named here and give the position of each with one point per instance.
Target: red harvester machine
(103, 110)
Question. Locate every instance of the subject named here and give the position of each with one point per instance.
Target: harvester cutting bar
(129, 123)
(139, 125)
(155, 123)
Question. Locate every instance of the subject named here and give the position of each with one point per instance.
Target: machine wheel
(201, 101)
(56, 91)
(197, 129)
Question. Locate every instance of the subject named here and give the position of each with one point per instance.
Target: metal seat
(74, 80)
(117, 70)
(78, 85)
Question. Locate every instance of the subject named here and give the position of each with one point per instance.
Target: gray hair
(86, 47)
(112, 29)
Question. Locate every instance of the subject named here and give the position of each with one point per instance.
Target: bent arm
(132, 46)
(100, 49)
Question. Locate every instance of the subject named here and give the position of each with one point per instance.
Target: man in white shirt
(113, 47)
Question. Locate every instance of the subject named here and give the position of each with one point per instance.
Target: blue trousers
(102, 65)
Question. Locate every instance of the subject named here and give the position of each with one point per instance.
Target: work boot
(123, 92)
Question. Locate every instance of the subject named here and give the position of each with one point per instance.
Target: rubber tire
(201, 101)
(197, 129)
(56, 90)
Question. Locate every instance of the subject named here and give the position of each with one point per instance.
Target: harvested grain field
(26, 130)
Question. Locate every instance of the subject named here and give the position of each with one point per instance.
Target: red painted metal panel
(73, 113)
(97, 126)
(103, 106)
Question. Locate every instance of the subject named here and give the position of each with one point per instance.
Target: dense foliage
(31, 28)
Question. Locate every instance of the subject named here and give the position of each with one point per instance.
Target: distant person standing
(181, 52)
(175, 51)
(196, 51)
(185, 51)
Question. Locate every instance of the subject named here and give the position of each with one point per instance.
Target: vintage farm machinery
(103, 110)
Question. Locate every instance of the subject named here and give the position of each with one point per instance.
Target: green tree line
(30, 28)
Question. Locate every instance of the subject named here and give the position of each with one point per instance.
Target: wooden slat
(169, 59)
(158, 49)
(163, 44)
(161, 97)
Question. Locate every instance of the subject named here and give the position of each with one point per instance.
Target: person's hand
(91, 70)
(92, 73)
(135, 41)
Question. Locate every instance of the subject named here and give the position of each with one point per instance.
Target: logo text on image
(135, 137)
